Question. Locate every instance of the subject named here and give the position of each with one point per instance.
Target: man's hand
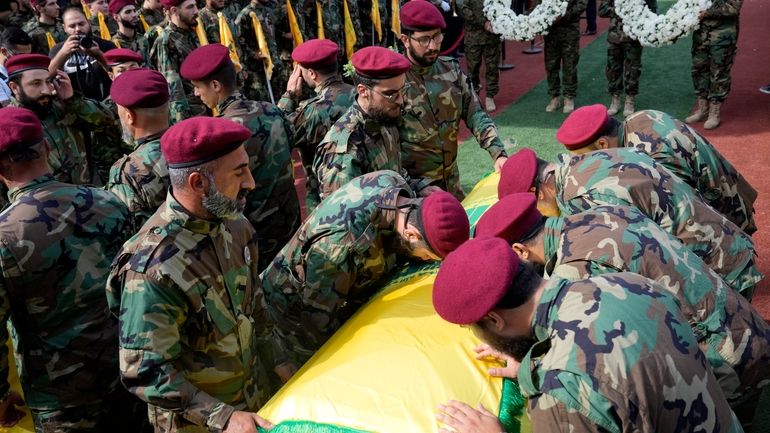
(488, 26)
(70, 46)
(63, 85)
(294, 85)
(511, 369)
(286, 370)
(428, 190)
(9, 414)
(499, 162)
(465, 419)
(246, 422)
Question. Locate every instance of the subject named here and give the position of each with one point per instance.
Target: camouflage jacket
(437, 98)
(723, 9)
(140, 180)
(474, 18)
(272, 206)
(618, 356)
(56, 244)
(152, 17)
(615, 33)
(20, 17)
(210, 20)
(627, 177)
(37, 31)
(690, 156)
(334, 261)
(112, 26)
(312, 120)
(611, 239)
(137, 43)
(357, 144)
(191, 312)
(65, 127)
(248, 49)
(169, 50)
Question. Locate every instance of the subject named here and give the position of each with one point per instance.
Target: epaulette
(147, 250)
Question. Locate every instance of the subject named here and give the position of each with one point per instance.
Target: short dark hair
(521, 288)
(20, 154)
(328, 70)
(365, 81)
(71, 9)
(611, 129)
(226, 76)
(13, 36)
(541, 166)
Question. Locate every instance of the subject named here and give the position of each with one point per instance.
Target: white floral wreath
(654, 30)
(639, 22)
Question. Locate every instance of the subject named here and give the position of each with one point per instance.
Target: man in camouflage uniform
(255, 84)
(438, 96)
(210, 19)
(481, 43)
(46, 30)
(128, 35)
(57, 242)
(365, 138)
(13, 41)
(151, 13)
(24, 13)
(561, 50)
(312, 119)
(272, 206)
(672, 144)
(63, 114)
(612, 353)
(96, 7)
(627, 177)
(346, 246)
(187, 292)
(140, 180)
(369, 35)
(624, 58)
(714, 44)
(611, 239)
(175, 42)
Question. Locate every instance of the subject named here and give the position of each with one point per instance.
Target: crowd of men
(182, 291)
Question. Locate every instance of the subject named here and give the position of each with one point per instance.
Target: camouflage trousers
(120, 412)
(624, 66)
(714, 45)
(488, 50)
(255, 84)
(562, 52)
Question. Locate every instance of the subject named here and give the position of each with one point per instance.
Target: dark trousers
(591, 16)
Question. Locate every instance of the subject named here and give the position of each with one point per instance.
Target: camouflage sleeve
(151, 315)
(5, 314)
(574, 10)
(287, 104)
(576, 270)
(166, 64)
(479, 122)
(94, 113)
(549, 414)
(606, 9)
(724, 9)
(334, 170)
(328, 277)
(473, 13)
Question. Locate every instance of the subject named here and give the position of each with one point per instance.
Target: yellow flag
(395, 17)
(320, 18)
(375, 15)
(293, 25)
(264, 50)
(86, 11)
(200, 32)
(226, 39)
(350, 31)
(104, 32)
(144, 23)
(50, 40)
(117, 44)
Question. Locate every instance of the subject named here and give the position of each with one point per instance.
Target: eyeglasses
(425, 41)
(392, 96)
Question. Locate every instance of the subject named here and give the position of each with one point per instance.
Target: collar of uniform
(546, 310)
(175, 212)
(36, 183)
(422, 70)
(621, 135)
(224, 105)
(553, 228)
(371, 126)
(175, 28)
(386, 217)
(334, 79)
(149, 138)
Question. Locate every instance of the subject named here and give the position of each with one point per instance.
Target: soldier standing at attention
(562, 52)
(187, 292)
(438, 96)
(140, 180)
(481, 43)
(611, 239)
(254, 68)
(365, 138)
(714, 44)
(349, 243)
(151, 13)
(624, 58)
(607, 354)
(57, 241)
(46, 30)
(318, 68)
(673, 145)
(174, 43)
(272, 206)
(210, 19)
(128, 34)
(627, 177)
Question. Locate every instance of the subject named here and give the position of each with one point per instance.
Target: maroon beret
(168, 4)
(25, 62)
(379, 63)
(421, 15)
(445, 222)
(117, 56)
(140, 88)
(117, 5)
(19, 127)
(204, 61)
(315, 53)
(518, 173)
(201, 139)
(511, 218)
(473, 279)
(583, 126)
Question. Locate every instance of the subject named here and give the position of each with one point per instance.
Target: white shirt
(5, 91)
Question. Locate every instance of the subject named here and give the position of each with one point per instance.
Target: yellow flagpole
(200, 31)
(293, 24)
(350, 31)
(264, 50)
(226, 39)
(320, 18)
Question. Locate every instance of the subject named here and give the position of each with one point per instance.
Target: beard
(221, 206)
(41, 105)
(517, 347)
(422, 60)
(383, 117)
(192, 22)
(132, 25)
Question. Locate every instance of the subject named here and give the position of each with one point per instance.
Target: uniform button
(690, 222)
(157, 230)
